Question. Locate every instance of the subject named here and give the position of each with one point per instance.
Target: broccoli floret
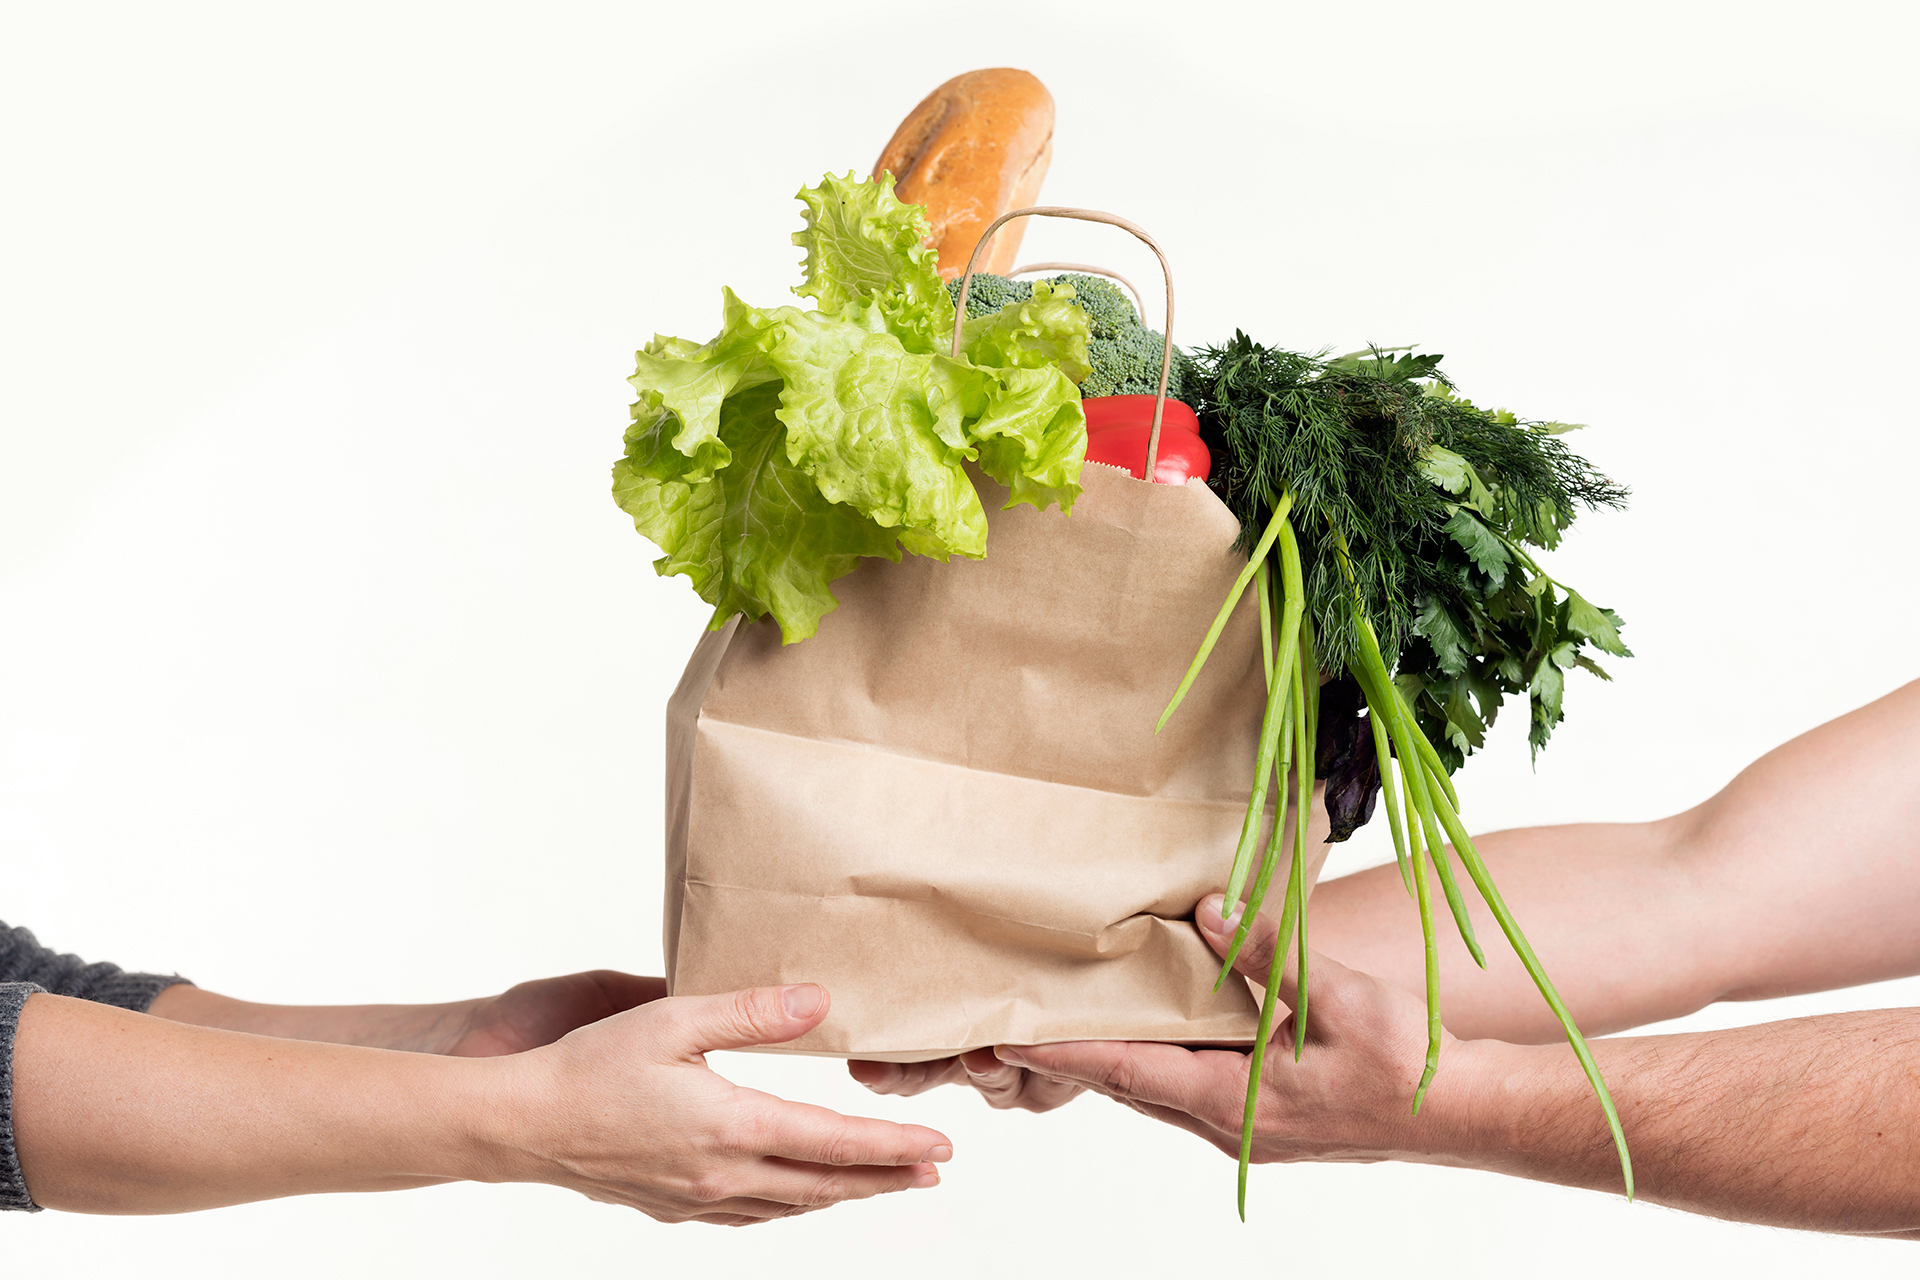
(987, 294)
(1109, 313)
(1129, 365)
(1124, 353)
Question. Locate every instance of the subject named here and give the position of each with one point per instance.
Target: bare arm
(1810, 1123)
(1797, 877)
(1813, 1124)
(524, 1017)
(118, 1112)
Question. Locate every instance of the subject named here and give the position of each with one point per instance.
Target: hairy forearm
(1812, 1124)
(418, 1028)
(1639, 922)
(117, 1112)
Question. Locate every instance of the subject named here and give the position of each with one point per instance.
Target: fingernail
(1212, 913)
(803, 1001)
(1013, 1057)
(939, 1155)
(931, 1178)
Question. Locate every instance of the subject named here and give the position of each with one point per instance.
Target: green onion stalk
(1422, 813)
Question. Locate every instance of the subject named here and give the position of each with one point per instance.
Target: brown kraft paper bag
(950, 807)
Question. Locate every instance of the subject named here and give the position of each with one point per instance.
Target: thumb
(1339, 994)
(741, 1019)
(1256, 953)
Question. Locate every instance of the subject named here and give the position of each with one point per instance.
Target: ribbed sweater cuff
(13, 1183)
(135, 991)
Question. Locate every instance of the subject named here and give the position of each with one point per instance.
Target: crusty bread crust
(974, 148)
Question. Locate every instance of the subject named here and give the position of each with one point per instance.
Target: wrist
(445, 1118)
(423, 1028)
(1476, 1106)
(510, 1105)
(195, 1006)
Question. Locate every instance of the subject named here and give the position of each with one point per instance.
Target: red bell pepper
(1119, 427)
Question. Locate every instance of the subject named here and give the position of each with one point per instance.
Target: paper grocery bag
(950, 807)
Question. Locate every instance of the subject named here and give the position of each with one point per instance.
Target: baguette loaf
(974, 148)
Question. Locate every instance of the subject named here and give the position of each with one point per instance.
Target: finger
(1164, 1075)
(740, 1019)
(1338, 992)
(1007, 1087)
(904, 1079)
(804, 1189)
(778, 1188)
(806, 1186)
(1043, 1093)
(1000, 1083)
(817, 1135)
(745, 1211)
(1256, 953)
(881, 1077)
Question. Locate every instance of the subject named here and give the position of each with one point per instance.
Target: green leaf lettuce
(770, 460)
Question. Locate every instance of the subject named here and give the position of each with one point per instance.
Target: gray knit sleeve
(13, 1186)
(26, 967)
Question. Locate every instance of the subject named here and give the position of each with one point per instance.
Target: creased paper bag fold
(950, 806)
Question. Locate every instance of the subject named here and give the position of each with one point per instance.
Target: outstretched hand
(627, 1111)
(1350, 1097)
(539, 1012)
(1004, 1086)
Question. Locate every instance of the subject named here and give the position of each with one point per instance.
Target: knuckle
(1002, 1095)
(918, 1077)
(750, 1132)
(1257, 953)
(749, 1016)
(841, 1149)
(675, 1025)
(883, 1077)
(1123, 1073)
(705, 1188)
(998, 1078)
(828, 1188)
(905, 1081)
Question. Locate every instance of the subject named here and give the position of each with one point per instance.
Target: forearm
(1639, 922)
(1606, 907)
(117, 1112)
(417, 1028)
(1812, 1124)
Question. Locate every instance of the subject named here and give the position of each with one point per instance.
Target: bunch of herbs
(1399, 516)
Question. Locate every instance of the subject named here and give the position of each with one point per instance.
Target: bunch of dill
(1399, 516)
(1414, 509)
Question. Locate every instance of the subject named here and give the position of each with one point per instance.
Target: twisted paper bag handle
(1084, 215)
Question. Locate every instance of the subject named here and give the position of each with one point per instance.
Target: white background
(329, 671)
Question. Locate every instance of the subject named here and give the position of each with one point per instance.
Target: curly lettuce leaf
(1034, 438)
(884, 431)
(866, 249)
(1046, 329)
(716, 531)
(683, 387)
(769, 461)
